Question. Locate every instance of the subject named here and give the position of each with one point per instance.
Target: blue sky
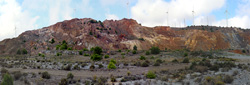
(35, 14)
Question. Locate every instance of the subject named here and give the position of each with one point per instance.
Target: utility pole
(226, 12)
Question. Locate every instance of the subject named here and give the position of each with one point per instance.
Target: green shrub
(155, 50)
(64, 81)
(85, 49)
(7, 80)
(45, 75)
(142, 57)
(70, 76)
(119, 50)
(150, 75)
(185, 54)
(52, 41)
(141, 39)
(69, 48)
(85, 54)
(68, 67)
(98, 50)
(58, 54)
(135, 47)
(113, 61)
(80, 52)
(106, 56)
(96, 57)
(147, 53)
(22, 51)
(122, 53)
(175, 61)
(100, 66)
(158, 60)
(76, 67)
(134, 52)
(186, 60)
(219, 83)
(111, 65)
(17, 75)
(144, 64)
(228, 79)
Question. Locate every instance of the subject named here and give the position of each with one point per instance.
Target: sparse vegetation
(155, 50)
(96, 57)
(45, 75)
(70, 76)
(7, 80)
(150, 75)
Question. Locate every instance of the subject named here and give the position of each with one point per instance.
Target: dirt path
(118, 72)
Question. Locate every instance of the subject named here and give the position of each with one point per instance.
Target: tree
(135, 47)
(98, 50)
(52, 41)
(155, 50)
(7, 80)
(96, 57)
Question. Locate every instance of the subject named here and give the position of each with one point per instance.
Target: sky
(27, 15)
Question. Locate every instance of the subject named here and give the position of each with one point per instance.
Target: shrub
(68, 67)
(76, 67)
(98, 50)
(175, 61)
(64, 81)
(158, 61)
(85, 49)
(17, 75)
(100, 66)
(141, 39)
(150, 75)
(155, 50)
(142, 57)
(52, 41)
(208, 78)
(58, 54)
(106, 56)
(70, 76)
(119, 50)
(228, 79)
(135, 47)
(186, 60)
(25, 51)
(134, 52)
(85, 54)
(7, 80)
(69, 48)
(122, 53)
(156, 64)
(219, 83)
(3, 71)
(96, 57)
(80, 52)
(185, 54)
(111, 65)
(147, 53)
(113, 61)
(45, 75)
(144, 64)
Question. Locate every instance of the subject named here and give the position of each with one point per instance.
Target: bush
(144, 64)
(175, 61)
(113, 61)
(96, 57)
(85, 49)
(52, 41)
(119, 50)
(158, 61)
(106, 56)
(69, 48)
(98, 50)
(185, 54)
(70, 76)
(134, 52)
(80, 52)
(186, 60)
(135, 47)
(111, 65)
(147, 53)
(228, 79)
(156, 64)
(142, 57)
(7, 80)
(150, 75)
(4, 71)
(45, 75)
(22, 51)
(17, 75)
(155, 50)
(64, 81)
(68, 67)
(58, 54)
(122, 53)
(85, 54)
(219, 83)
(100, 66)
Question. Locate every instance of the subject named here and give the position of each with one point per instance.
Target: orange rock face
(124, 34)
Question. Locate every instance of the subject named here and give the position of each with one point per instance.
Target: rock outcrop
(124, 34)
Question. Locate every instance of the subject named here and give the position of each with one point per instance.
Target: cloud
(12, 15)
(111, 17)
(241, 19)
(153, 12)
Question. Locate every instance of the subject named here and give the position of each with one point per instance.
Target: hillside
(124, 34)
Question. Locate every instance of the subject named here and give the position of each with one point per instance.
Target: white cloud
(111, 17)
(153, 12)
(11, 15)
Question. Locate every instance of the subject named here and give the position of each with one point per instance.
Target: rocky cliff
(124, 34)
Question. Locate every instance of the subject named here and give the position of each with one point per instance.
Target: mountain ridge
(124, 34)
